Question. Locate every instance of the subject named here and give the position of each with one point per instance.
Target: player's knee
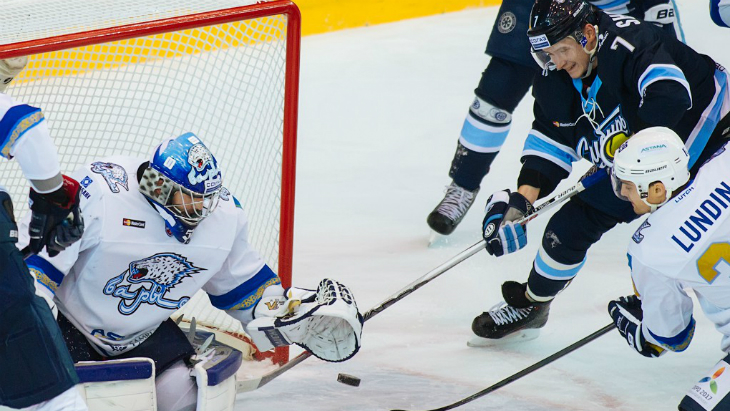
(490, 113)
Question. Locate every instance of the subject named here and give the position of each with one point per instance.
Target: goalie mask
(183, 183)
(655, 154)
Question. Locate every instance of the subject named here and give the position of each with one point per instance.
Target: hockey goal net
(116, 77)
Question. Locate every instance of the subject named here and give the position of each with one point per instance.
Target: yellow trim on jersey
(42, 278)
(24, 125)
(251, 300)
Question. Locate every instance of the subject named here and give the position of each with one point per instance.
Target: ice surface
(381, 109)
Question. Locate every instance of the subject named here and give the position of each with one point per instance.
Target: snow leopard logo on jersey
(162, 272)
(638, 237)
(225, 195)
(201, 159)
(114, 174)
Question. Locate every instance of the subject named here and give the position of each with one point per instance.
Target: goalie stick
(533, 367)
(587, 181)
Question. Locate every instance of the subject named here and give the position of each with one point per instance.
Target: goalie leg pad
(119, 384)
(215, 374)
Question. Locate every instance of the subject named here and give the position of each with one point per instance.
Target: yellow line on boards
(318, 16)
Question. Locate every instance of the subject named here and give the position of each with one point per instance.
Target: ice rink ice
(380, 111)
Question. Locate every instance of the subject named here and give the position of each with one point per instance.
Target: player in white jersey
(680, 246)
(117, 287)
(720, 12)
(36, 371)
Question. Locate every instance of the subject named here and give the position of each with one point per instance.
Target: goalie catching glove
(325, 322)
(627, 315)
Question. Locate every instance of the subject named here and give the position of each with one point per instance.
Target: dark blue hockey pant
(34, 363)
(503, 85)
(571, 231)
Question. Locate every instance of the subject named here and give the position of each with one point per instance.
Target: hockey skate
(451, 210)
(516, 320)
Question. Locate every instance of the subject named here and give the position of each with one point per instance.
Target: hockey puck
(348, 379)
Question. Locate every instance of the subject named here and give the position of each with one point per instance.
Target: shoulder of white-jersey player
(667, 309)
(24, 135)
(15, 120)
(244, 277)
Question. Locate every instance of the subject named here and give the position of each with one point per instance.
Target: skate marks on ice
(514, 338)
(386, 387)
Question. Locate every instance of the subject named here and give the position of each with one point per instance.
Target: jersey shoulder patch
(116, 176)
(226, 195)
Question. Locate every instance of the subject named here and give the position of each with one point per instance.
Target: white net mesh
(223, 82)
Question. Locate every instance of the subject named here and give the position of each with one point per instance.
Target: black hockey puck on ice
(348, 379)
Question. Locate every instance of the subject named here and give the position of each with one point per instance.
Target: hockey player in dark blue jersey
(35, 367)
(607, 76)
(503, 84)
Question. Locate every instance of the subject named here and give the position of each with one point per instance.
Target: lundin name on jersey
(709, 211)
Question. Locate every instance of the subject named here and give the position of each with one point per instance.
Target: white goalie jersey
(126, 275)
(686, 244)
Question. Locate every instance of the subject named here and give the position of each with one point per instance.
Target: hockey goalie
(156, 232)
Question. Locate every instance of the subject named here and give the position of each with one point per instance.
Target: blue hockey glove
(627, 315)
(55, 221)
(499, 230)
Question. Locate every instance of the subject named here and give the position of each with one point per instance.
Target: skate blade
(516, 337)
(436, 239)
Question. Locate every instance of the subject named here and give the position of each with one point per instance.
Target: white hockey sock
(69, 400)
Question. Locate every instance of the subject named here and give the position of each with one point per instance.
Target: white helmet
(653, 154)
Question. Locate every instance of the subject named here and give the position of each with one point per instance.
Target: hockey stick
(533, 367)
(256, 383)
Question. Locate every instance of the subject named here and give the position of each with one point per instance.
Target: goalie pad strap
(275, 336)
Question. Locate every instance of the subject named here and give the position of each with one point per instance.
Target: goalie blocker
(325, 322)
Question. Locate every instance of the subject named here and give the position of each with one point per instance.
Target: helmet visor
(617, 185)
(543, 59)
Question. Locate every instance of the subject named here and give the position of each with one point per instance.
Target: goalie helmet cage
(118, 77)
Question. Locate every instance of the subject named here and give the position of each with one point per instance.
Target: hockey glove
(325, 322)
(9, 68)
(55, 221)
(499, 230)
(627, 315)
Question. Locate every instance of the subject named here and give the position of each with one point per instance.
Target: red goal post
(229, 74)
